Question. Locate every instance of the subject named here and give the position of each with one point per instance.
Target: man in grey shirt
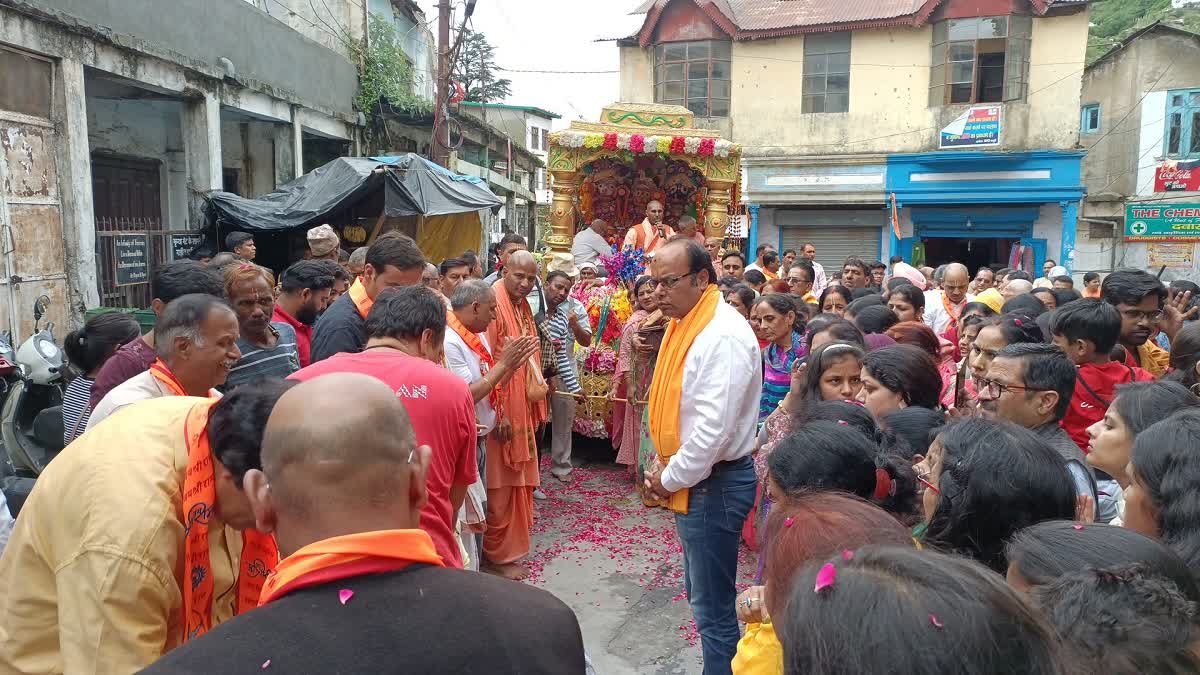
(1031, 384)
(592, 243)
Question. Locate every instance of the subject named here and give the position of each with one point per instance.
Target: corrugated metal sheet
(775, 14)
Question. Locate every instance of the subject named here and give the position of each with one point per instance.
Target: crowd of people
(968, 473)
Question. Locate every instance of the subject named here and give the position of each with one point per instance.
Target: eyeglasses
(998, 388)
(1139, 315)
(923, 479)
(794, 281)
(667, 283)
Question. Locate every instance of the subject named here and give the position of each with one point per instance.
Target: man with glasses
(1031, 384)
(1141, 300)
(800, 277)
(703, 408)
(985, 278)
(943, 307)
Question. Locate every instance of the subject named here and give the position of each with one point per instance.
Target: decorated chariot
(611, 169)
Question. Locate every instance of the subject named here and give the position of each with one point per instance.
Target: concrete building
(115, 117)
(529, 124)
(1140, 123)
(960, 112)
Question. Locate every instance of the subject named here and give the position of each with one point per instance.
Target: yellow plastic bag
(759, 651)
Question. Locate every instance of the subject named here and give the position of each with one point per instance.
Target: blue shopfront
(985, 208)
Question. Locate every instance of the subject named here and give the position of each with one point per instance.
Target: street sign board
(182, 245)
(1162, 222)
(133, 259)
(977, 127)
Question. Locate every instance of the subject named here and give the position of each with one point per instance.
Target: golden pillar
(716, 214)
(562, 211)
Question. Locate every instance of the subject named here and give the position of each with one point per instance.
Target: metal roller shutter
(834, 245)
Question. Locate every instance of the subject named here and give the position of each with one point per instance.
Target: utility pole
(441, 139)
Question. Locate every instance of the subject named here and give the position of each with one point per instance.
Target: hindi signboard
(1171, 255)
(977, 127)
(133, 258)
(1162, 222)
(1177, 177)
(182, 245)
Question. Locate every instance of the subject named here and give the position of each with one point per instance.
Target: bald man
(651, 232)
(591, 243)
(1016, 287)
(944, 306)
(360, 588)
(512, 455)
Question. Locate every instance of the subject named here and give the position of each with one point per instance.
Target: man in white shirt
(704, 403)
(820, 281)
(592, 243)
(759, 262)
(946, 305)
(196, 340)
(473, 308)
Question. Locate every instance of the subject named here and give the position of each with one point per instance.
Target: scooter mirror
(39, 307)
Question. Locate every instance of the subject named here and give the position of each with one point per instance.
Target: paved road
(618, 565)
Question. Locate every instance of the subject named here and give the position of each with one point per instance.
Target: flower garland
(641, 144)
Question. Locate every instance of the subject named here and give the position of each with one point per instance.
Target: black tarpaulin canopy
(411, 184)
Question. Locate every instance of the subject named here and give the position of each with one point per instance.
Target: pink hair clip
(825, 577)
(788, 521)
(935, 621)
(1077, 526)
(843, 423)
(847, 555)
(1017, 321)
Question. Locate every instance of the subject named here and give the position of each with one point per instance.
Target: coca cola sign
(1177, 177)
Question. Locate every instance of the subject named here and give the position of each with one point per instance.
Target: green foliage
(475, 69)
(384, 70)
(1114, 20)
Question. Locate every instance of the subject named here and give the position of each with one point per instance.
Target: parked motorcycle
(31, 425)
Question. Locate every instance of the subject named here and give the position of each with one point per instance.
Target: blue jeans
(711, 532)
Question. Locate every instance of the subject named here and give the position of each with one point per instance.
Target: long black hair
(912, 295)
(89, 347)
(838, 328)
(846, 294)
(1044, 552)
(908, 371)
(875, 319)
(1166, 465)
(1141, 404)
(996, 478)
(851, 413)
(916, 426)
(897, 610)
(783, 303)
(833, 456)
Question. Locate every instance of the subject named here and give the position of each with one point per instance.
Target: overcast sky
(554, 35)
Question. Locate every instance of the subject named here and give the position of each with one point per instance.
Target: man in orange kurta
(651, 233)
(512, 457)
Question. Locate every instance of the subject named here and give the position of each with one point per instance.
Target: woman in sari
(632, 379)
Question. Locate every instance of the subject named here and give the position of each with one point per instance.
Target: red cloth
(134, 358)
(303, 334)
(1088, 407)
(442, 412)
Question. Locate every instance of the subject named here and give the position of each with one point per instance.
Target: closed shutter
(834, 245)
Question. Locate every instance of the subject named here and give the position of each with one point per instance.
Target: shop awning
(411, 185)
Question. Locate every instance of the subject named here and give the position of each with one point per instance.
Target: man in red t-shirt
(405, 332)
(1087, 330)
(304, 292)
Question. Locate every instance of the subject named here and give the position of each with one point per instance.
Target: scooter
(31, 425)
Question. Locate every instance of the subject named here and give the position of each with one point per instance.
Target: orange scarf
(351, 555)
(950, 307)
(358, 294)
(259, 554)
(160, 372)
(647, 237)
(485, 357)
(666, 390)
(513, 320)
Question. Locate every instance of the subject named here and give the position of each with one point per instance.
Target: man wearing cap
(323, 243)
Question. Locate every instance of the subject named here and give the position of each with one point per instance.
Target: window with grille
(1183, 124)
(694, 74)
(980, 60)
(826, 87)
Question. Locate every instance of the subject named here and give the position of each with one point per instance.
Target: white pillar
(202, 149)
(75, 190)
(297, 142)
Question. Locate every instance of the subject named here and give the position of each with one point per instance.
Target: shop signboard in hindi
(978, 127)
(1162, 222)
(182, 245)
(1177, 177)
(1172, 255)
(133, 258)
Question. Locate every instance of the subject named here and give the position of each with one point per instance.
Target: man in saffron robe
(104, 572)
(651, 233)
(361, 589)
(512, 457)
